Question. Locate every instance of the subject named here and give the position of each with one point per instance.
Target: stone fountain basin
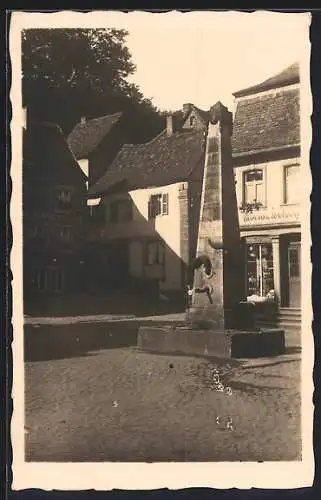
(227, 344)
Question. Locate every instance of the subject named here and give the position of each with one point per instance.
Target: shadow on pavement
(49, 342)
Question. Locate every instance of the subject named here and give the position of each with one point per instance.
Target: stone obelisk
(221, 281)
(218, 322)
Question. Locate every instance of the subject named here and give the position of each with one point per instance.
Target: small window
(192, 121)
(64, 233)
(38, 280)
(254, 186)
(121, 211)
(291, 184)
(97, 213)
(155, 253)
(157, 205)
(55, 280)
(64, 199)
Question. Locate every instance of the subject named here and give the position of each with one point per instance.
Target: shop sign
(274, 217)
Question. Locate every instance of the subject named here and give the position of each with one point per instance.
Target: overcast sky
(207, 57)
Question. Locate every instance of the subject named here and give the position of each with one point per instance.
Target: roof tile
(85, 137)
(267, 121)
(164, 160)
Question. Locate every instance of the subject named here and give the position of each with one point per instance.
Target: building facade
(146, 207)
(267, 165)
(54, 212)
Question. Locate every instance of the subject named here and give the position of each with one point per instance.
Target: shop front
(273, 268)
(272, 245)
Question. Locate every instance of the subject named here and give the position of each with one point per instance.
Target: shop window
(157, 205)
(291, 184)
(259, 270)
(155, 253)
(121, 211)
(253, 187)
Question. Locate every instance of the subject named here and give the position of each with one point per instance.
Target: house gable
(195, 118)
(87, 135)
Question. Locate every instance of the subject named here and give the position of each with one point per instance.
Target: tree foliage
(69, 73)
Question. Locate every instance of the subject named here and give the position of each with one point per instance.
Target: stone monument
(219, 322)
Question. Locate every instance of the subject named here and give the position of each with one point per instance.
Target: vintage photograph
(162, 228)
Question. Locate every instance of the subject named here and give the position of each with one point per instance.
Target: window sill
(297, 204)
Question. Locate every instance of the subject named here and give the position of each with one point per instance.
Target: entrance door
(294, 262)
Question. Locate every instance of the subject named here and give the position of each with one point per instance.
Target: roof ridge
(288, 76)
(119, 113)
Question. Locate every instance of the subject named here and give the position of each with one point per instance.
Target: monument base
(225, 344)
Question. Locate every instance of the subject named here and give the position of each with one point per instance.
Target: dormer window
(192, 121)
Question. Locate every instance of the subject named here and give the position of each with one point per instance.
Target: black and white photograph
(161, 234)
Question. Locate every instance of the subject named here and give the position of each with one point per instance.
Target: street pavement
(91, 395)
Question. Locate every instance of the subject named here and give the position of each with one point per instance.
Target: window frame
(58, 191)
(244, 174)
(63, 239)
(163, 204)
(159, 244)
(285, 190)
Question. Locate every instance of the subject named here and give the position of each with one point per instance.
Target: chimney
(24, 117)
(187, 107)
(83, 119)
(169, 125)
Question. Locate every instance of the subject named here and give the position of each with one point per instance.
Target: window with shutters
(157, 205)
(254, 191)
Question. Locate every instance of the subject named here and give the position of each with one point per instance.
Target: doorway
(294, 263)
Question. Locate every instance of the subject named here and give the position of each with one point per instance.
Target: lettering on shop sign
(271, 217)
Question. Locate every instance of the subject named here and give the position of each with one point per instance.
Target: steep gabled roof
(44, 144)
(288, 76)
(162, 161)
(204, 115)
(267, 122)
(86, 137)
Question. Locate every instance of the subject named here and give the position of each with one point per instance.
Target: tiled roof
(287, 77)
(45, 144)
(85, 137)
(204, 115)
(164, 160)
(267, 121)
